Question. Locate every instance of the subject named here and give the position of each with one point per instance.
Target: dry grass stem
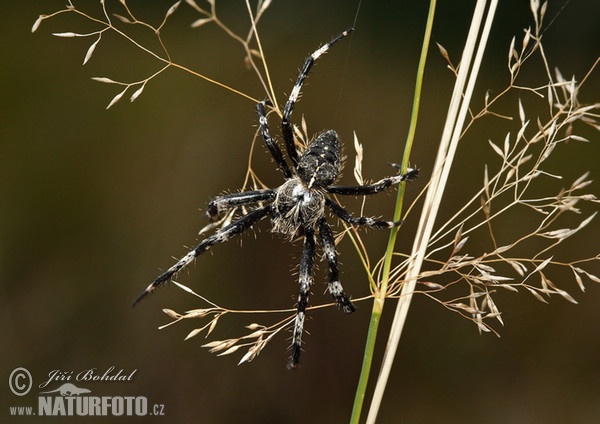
(118, 23)
(256, 340)
(524, 258)
(447, 264)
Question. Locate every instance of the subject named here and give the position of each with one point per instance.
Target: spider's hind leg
(286, 124)
(270, 142)
(376, 187)
(334, 286)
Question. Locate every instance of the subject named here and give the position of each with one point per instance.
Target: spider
(297, 207)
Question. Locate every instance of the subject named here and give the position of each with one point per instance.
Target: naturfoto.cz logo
(70, 399)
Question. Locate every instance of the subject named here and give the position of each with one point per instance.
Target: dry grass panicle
(457, 275)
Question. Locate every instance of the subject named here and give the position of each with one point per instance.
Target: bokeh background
(94, 203)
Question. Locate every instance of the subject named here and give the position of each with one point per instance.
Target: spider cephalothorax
(300, 201)
(297, 207)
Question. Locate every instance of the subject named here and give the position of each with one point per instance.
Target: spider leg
(220, 204)
(221, 236)
(375, 187)
(271, 145)
(305, 279)
(358, 220)
(335, 288)
(286, 125)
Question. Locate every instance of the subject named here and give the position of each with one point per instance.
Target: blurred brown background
(94, 204)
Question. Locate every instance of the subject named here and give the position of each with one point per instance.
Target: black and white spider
(297, 207)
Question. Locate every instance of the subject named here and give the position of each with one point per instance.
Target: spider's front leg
(333, 285)
(221, 236)
(305, 281)
(358, 220)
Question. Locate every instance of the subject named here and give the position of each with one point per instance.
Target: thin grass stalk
(450, 137)
(380, 294)
(270, 90)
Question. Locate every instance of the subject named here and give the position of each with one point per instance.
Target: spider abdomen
(321, 163)
(296, 207)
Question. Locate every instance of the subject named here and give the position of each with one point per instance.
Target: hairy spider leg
(333, 285)
(220, 204)
(375, 187)
(305, 280)
(270, 142)
(221, 236)
(286, 124)
(357, 220)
